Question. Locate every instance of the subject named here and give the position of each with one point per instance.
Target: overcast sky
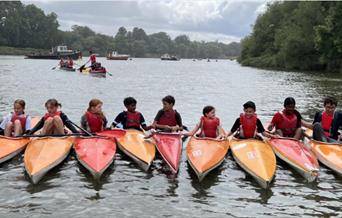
(207, 20)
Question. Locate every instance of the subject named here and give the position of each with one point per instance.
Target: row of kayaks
(96, 153)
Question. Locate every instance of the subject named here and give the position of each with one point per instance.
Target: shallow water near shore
(125, 190)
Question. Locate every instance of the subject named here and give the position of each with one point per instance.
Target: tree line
(26, 26)
(293, 35)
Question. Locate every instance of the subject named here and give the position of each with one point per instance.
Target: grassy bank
(4, 50)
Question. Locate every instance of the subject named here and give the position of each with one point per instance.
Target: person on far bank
(168, 119)
(17, 122)
(54, 120)
(248, 124)
(209, 125)
(93, 120)
(130, 119)
(288, 122)
(327, 122)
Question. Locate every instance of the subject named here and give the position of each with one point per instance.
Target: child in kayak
(327, 122)
(248, 124)
(130, 119)
(16, 123)
(288, 122)
(168, 119)
(209, 124)
(94, 120)
(53, 121)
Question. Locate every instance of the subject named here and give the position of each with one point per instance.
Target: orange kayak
(42, 154)
(136, 147)
(11, 146)
(256, 158)
(299, 157)
(169, 146)
(205, 154)
(133, 144)
(95, 153)
(330, 154)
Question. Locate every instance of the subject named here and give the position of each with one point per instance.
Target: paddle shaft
(85, 131)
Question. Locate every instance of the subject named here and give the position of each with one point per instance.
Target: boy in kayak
(248, 124)
(327, 122)
(17, 122)
(168, 119)
(131, 119)
(94, 120)
(209, 124)
(288, 122)
(53, 121)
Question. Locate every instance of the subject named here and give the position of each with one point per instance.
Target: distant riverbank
(4, 50)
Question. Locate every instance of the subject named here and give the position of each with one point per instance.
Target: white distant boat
(167, 57)
(116, 56)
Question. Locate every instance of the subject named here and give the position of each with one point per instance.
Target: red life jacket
(47, 115)
(248, 125)
(93, 58)
(168, 118)
(289, 124)
(22, 118)
(95, 122)
(209, 127)
(70, 63)
(133, 120)
(326, 123)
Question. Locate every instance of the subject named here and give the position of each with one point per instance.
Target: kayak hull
(169, 145)
(95, 154)
(141, 151)
(256, 158)
(43, 154)
(329, 154)
(205, 154)
(299, 157)
(11, 147)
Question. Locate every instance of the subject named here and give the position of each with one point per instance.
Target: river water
(126, 191)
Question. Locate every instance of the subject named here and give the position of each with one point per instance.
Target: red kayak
(297, 155)
(169, 146)
(112, 133)
(95, 153)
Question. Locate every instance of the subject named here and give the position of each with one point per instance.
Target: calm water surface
(126, 191)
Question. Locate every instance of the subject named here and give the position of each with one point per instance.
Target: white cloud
(220, 20)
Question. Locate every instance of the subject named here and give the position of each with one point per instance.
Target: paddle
(54, 67)
(85, 131)
(109, 73)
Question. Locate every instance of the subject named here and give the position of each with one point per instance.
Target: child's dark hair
(52, 102)
(21, 102)
(169, 99)
(207, 109)
(249, 104)
(330, 100)
(129, 100)
(289, 101)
